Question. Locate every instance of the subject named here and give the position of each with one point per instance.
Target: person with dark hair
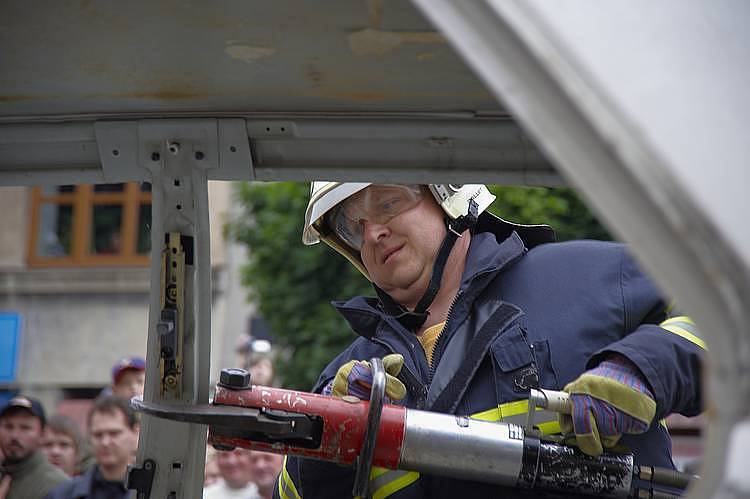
(113, 431)
(26, 473)
(62, 443)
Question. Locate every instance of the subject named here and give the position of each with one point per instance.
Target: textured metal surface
(460, 447)
(564, 469)
(71, 58)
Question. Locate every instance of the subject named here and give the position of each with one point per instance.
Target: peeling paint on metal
(290, 402)
(265, 397)
(248, 53)
(373, 42)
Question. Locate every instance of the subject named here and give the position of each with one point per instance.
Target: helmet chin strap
(413, 320)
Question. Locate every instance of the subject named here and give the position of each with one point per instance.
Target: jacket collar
(82, 487)
(486, 257)
(26, 465)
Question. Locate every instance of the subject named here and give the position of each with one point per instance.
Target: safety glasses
(378, 203)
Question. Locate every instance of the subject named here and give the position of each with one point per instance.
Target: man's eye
(390, 205)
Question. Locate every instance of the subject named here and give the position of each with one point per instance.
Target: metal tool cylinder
(460, 447)
(563, 469)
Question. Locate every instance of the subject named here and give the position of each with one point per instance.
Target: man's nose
(373, 231)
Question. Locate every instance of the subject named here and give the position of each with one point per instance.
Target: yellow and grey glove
(355, 378)
(608, 401)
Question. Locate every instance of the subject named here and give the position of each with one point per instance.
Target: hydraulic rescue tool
(350, 431)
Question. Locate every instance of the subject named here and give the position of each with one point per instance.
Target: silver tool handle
(551, 400)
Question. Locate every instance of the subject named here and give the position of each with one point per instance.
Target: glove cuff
(633, 402)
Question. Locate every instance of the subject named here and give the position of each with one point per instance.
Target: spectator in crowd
(113, 431)
(256, 355)
(128, 377)
(265, 467)
(260, 366)
(26, 472)
(62, 443)
(237, 478)
(211, 473)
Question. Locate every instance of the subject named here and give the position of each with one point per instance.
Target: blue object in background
(10, 330)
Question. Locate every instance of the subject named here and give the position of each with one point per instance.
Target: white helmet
(324, 196)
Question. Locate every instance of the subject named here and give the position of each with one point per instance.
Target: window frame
(83, 199)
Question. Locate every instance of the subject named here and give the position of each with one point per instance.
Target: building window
(91, 225)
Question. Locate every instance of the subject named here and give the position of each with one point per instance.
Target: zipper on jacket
(437, 351)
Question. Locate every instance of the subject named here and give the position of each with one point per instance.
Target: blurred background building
(74, 288)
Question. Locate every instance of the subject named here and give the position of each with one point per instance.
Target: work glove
(608, 401)
(355, 378)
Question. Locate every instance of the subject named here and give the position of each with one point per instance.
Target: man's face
(60, 449)
(399, 254)
(130, 384)
(234, 467)
(113, 441)
(261, 372)
(211, 473)
(20, 434)
(265, 466)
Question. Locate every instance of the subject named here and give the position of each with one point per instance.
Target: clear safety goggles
(378, 203)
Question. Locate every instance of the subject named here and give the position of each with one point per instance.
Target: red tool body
(344, 423)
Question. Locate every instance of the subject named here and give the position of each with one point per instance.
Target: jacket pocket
(520, 365)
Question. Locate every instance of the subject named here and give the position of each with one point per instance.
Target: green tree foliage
(558, 207)
(293, 284)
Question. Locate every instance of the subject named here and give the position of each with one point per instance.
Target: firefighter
(471, 311)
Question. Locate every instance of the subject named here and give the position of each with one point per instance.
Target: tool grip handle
(552, 400)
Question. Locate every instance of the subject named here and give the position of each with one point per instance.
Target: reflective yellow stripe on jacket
(384, 482)
(287, 490)
(684, 327)
(515, 413)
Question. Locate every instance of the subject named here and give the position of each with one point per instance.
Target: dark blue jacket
(576, 302)
(90, 485)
